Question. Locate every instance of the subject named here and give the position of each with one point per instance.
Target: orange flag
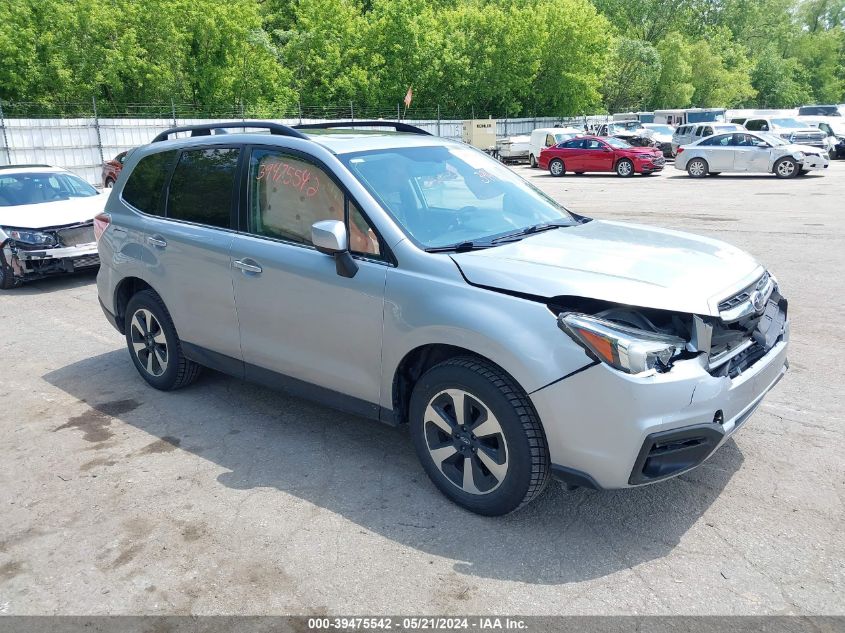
(409, 96)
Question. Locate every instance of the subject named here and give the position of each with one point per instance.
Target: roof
(29, 169)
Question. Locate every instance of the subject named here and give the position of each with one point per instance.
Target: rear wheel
(532, 161)
(625, 168)
(154, 345)
(478, 437)
(786, 168)
(109, 183)
(556, 167)
(697, 168)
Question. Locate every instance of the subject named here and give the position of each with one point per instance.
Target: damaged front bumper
(608, 429)
(75, 249)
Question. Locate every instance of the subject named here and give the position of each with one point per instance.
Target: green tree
(632, 75)
(779, 81)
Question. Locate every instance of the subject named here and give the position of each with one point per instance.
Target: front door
(597, 155)
(298, 317)
(750, 153)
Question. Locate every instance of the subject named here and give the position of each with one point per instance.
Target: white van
(544, 137)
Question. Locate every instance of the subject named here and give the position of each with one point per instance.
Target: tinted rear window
(202, 187)
(144, 188)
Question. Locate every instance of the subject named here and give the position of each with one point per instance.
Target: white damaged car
(46, 223)
(749, 152)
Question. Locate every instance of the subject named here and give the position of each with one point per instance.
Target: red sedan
(593, 153)
(111, 170)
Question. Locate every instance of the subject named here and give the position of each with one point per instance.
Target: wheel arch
(123, 292)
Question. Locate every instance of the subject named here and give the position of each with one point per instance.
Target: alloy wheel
(786, 168)
(466, 441)
(696, 168)
(556, 168)
(148, 342)
(625, 168)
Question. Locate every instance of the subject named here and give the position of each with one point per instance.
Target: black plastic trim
(112, 319)
(569, 375)
(205, 129)
(293, 386)
(574, 478)
(399, 127)
(675, 461)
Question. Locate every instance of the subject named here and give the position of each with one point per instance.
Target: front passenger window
(288, 195)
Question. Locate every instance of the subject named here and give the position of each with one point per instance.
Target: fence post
(398, 115)
(97, 128)
(351, 112)
(438, 119)
(5, 137)
(173, 110)
(299, 105)
(506, 124)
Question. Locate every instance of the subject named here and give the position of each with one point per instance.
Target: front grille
(76, 235)
(744, 295)
(808, 138)
(659, 160)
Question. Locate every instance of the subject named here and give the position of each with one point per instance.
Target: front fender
(520, 335)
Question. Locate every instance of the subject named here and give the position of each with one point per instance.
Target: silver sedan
(748, 152)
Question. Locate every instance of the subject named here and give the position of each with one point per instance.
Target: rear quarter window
(145, 186)
(202, 187)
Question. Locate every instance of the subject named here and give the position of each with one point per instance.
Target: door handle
(247, 266)
(156, 241)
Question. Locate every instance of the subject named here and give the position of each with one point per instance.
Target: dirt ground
(228, 498)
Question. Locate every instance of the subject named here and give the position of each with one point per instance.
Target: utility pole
(5, 137)
(97, 128)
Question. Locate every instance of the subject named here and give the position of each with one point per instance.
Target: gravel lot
(229, 498)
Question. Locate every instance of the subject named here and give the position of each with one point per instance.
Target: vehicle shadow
(728, 176)
(368, 473)
(55, 283)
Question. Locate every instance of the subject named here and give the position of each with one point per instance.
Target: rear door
(182, 240)
(300, 319)
(718, 151)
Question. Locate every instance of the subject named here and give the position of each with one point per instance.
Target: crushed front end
(29, 254)
(651, 407)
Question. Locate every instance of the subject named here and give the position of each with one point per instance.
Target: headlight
(799, 155)
(624, 348)
(38, 238)
(646, 156)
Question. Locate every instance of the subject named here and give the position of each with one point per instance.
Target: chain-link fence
(80, 137)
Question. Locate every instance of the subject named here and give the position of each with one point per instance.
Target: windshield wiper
(528, 230)
(458, 248)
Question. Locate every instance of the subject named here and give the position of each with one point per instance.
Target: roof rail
(206, 129)
(399, 127)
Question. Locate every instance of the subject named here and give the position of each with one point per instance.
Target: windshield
(728, 128)
(617, 143)
(564, 136)
(449, 195)
(662, 129)
(791, 123)
(624, 126)
(35, 188)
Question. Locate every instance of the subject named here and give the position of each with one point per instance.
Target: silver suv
(414, 280)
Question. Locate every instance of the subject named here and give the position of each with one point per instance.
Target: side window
(362, 238)
(592, 144)
(202, 187)
(753, 125)
(573, 144)
(145, 186)
(550, 140)
(707, 131)
(287, 195)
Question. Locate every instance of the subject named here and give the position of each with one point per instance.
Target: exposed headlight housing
(28, 236)
(627, 349)
(799, 155)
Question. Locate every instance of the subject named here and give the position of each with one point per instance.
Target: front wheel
(786, 168)
(478, 437)
(7, 276)
(556, 167)
(697, 168)
(625, 168)
(154, 345)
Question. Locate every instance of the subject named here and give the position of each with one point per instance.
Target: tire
(532, 162)
(786, 168)
(556, 167)
(625, 168)
(697, 168)
(157, 357)
(108, 184)
(7, 277)
(508, 459)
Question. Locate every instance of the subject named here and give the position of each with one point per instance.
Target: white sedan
(46, 223)
(748, 152)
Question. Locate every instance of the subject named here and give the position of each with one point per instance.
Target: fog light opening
(719, 417)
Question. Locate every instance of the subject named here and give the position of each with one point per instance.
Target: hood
(58, 213)
(795, 147)
(623, 263)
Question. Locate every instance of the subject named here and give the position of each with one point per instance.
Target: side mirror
(330, 237)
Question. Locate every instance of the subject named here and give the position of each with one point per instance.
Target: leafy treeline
(498, 57)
